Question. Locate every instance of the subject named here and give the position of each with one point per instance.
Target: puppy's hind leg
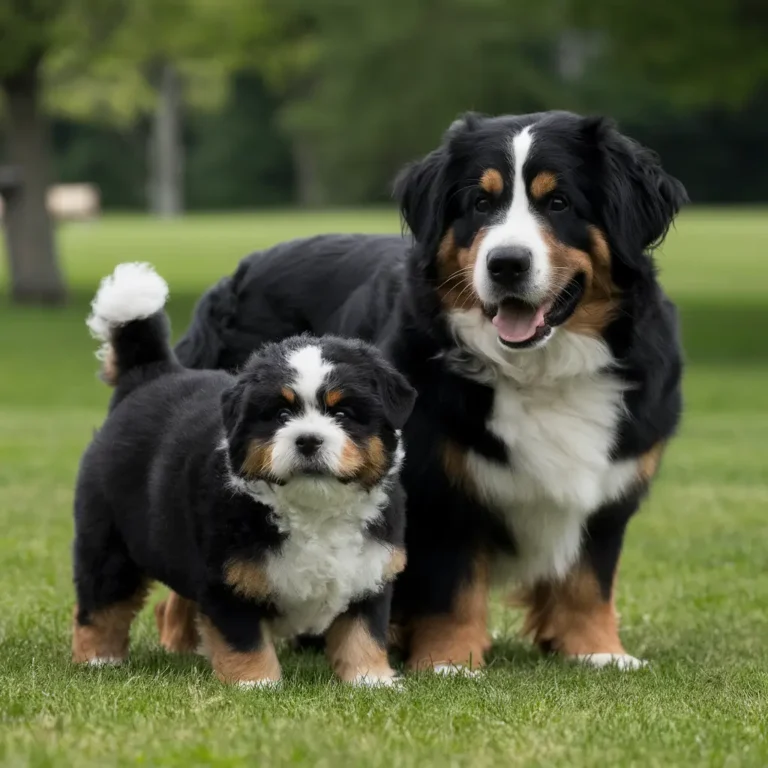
(110, 589)
(176, 619)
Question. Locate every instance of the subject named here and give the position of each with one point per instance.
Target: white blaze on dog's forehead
(520, 226)
(311, 371)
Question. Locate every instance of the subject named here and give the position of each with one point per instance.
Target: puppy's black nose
(308, 444)
(509, 264)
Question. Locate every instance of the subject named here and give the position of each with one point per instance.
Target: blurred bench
(66, 202)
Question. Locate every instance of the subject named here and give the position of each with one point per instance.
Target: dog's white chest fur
(557, 411)
(327, 560)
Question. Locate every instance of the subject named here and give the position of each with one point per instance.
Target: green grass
(693, 590)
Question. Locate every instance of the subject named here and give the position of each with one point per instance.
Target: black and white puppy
(270, 500)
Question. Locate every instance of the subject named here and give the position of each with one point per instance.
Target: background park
(210, 129)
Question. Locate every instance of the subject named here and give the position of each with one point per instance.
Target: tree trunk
(309, 185)
(166, 150)
(34, 269)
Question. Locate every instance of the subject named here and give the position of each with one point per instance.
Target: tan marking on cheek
(232, 666)
(258, 459)
(353, 652)
(107, 633)
(332, 397)
(571, 616)
(456, 468)
(455, 268)
(648, 463)
(351, 459)
(176, 619)
(396, 564)
(288, 395)
(109, 370)
(492, 182)
(247, 579)
(459, 637)
(599, 304)
(542, 184)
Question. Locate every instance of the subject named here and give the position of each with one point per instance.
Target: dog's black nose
(508, 265)
(308, 444)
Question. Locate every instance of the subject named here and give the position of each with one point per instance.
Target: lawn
(693, 591)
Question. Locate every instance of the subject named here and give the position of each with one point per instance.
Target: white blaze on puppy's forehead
(311, 371)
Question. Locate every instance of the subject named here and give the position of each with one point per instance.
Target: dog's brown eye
(558, 203)
(343, 413)
(482, 204)
(283, 415)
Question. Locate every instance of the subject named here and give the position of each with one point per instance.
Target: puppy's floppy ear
(397, 395)
(639, 198)
(232, 406)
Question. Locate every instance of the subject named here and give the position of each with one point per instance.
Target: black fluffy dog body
(268, 501)
(528, 316)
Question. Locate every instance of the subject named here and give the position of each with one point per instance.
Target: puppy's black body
(223, 487)
(528, 316)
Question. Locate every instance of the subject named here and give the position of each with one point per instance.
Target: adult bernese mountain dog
(528, 316)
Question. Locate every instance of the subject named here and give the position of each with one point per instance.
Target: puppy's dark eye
(344, 414)
(283, 415)
(482, 204)
(558, 203)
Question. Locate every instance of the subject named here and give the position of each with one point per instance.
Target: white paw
(105, 661)
(265, 683)
(458, 670)
(621, 661)
(368, 680)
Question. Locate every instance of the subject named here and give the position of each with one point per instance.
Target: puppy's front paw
(622, 661)
(105, 661)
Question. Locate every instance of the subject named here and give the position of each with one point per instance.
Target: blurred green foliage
(320, 101)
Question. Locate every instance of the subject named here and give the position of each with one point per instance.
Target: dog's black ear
(397, 395)
(418, 192)
(639, 198)
(232, 406)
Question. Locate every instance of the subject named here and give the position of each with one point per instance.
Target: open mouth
(520, 324)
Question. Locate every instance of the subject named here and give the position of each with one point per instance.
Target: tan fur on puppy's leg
(354, 654)
(176, 622)
(252, 668)
(104, 638)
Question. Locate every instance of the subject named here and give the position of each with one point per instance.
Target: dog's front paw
(377, 679)
(455, 670)
(265, 683)
(621, 661)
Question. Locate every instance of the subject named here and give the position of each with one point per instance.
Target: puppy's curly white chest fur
(327, 559)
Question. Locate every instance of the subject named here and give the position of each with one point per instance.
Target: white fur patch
(264, 683)
(311, 371)
(328, 559)
(519, 227)
(556, 409)
(620, 661)
(105, 661)
(375, 681)
(455, 670)
(134, 291)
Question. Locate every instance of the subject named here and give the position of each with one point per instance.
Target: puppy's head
(325, 407)
(537, 221)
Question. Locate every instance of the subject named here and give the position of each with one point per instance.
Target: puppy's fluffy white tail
(127, 317)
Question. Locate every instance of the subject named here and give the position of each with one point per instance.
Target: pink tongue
(517, 322)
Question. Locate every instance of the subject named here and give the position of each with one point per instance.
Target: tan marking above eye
(332, 397)
(492, 182)
(288, 394)
(543, 183)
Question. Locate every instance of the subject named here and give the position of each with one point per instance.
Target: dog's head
(536, 222)
(316, 407)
